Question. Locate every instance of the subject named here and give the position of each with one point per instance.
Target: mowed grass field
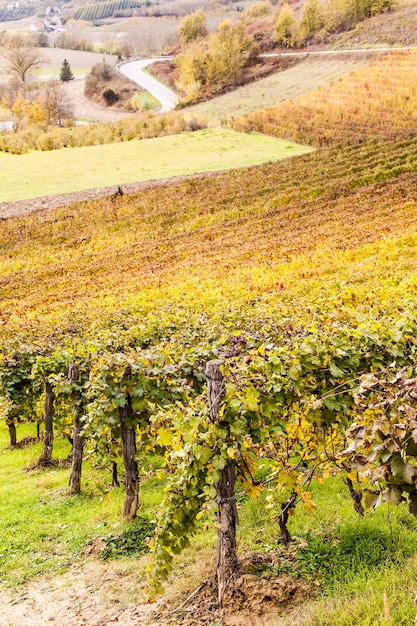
(39, 174)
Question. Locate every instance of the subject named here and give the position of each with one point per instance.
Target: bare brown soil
(101, 594)
(84, 596)
(20, 208)
(86, 109)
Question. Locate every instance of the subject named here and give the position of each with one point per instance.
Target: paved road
(133, 70)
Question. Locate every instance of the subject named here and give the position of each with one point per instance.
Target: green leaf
(294, 371)
(268, 408)
(391, 495)
(403, 471)
(251, 399)
(138, 404)
(219, 462)
(372, 499)
(234, 404)
(238, 428)
(335, 371)
(205, 455)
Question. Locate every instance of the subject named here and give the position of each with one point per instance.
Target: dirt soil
(86, 109)
(101, 594)
(21, 208)
(84, 596)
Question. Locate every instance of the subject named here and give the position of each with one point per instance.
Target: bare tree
(20, 53)
(56, 103)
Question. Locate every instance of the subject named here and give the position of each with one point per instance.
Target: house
(37, 27)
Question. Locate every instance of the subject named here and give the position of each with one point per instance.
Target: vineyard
(100, 10)
(252, 332)
(355, 110)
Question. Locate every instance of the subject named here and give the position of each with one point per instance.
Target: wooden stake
(227, 518)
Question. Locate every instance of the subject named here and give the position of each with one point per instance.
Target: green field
(39, 174)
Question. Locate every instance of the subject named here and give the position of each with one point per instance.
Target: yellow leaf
(164, 437)
(308, 501)
(252, 490)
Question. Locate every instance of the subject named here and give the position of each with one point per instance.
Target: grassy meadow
(47, 173)
(318, 243)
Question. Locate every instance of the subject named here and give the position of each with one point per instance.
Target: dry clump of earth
(21, 208)
(252, 598)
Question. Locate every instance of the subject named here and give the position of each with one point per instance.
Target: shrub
(110, 96)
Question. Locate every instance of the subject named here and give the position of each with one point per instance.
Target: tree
(217, 60)
(285, 31)
(20, 53)
(257, 10)
(192, 27)
(49, 106)
(312, 19)
(66, 73)
(340, 15)
(77, 439)
(227, 517)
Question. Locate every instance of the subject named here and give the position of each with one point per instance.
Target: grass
(323, 238)
(42, 529)
(145, 101)
(55, 72)
(351, 562)
(75, 169)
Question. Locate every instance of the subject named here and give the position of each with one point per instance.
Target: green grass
(39, 174)
(351, 562)
(42, 528)
(145, 101)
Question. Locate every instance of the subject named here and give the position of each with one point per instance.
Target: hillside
(164, 242)
(299, 275)
(309, 73)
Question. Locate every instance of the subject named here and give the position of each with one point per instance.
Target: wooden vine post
(127, 424)
(77, 441)
(46, 457)
(227, 518)
(12, 432)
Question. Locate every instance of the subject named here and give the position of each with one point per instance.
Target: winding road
(134, 70)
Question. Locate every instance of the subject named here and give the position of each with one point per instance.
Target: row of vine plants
(372, 103)
(274, 411)
(101, 10)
